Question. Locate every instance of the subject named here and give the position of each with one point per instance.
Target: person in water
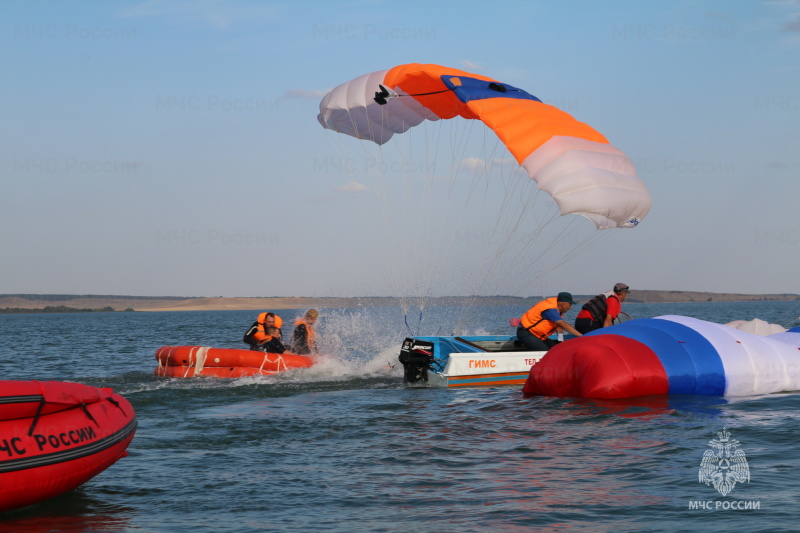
(258, 331)
(303, 337)
(602, 310)
(544, 319)
(272, 343)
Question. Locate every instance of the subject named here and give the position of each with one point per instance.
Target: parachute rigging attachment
(383, 96)
(419, 325)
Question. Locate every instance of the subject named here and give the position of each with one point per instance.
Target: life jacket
(598, 307)
(310, 341)
(260, 335)
(533, 321)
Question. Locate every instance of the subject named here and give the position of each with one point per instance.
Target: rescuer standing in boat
(544, 319)
(303, 337)
(602, 310)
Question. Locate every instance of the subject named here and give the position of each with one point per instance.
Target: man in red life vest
(544, 319)
(602, 310)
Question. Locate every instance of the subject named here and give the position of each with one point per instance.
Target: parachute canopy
(668, 355)
(568, 159)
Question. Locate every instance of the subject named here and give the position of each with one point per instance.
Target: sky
(171, 148)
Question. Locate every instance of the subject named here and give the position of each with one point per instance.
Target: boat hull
(193, 361)
(466, 361)
(55, 436)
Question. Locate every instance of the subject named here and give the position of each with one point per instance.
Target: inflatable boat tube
(191, 361)
(55, 436)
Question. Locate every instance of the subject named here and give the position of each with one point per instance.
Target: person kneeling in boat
(272, 343)
(258, 331)
(542, 320)
(602, 310)
(303, 337)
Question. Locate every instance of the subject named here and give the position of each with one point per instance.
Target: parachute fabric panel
(351, 109)
(754, 364)
(694, 356)
(689, 360)
(568, 159)
(592, 367)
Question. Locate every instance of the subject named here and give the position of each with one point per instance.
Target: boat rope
(116, 404)
(88, 414)
(280, 364)
(38, 410)
(199, 362)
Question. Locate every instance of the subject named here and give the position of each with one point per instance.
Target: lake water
(345, 446)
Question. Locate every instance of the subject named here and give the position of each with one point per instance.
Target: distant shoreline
(52, 303)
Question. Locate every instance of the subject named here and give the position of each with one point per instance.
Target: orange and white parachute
(568, 159)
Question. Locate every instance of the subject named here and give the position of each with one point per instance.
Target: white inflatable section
(351, 109)
(756, 326)
(753, 364)
(591, 179)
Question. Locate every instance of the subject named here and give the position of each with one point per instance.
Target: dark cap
(565, 297)
(621, 287)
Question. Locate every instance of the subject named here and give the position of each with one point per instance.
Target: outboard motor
(417, 358)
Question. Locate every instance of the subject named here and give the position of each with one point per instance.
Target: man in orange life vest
(272, 343)
(542, 320)
(265, 320)
(602, 310)
(303, 341)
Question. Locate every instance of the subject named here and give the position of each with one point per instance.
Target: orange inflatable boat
(191, 361)
(55, 436)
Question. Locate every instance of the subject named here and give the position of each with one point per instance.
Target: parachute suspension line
(459, 137)
(459, 132)
(371, 157)
(795, 320)
(412, 215)
(488, 253)
(588, 242)
(549, 245)
(385, 94)
(431, 133)
(397, 255)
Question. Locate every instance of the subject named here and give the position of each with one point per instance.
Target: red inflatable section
(597, 366)
(191, 361)
(55, 436)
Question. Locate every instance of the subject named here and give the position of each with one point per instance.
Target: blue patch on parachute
(690, 361)
(467, 89)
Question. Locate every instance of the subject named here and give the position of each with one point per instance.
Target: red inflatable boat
(55, 436)
(191, 361)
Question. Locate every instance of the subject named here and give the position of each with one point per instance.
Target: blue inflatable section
(691, 362)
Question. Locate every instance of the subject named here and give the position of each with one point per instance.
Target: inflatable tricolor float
(668, 355)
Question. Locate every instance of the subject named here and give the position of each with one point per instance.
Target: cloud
(792, 26)
(469, 65)
(473, 163)
(352, 188)
(303, 94)
(214, 13)
(476, 163)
